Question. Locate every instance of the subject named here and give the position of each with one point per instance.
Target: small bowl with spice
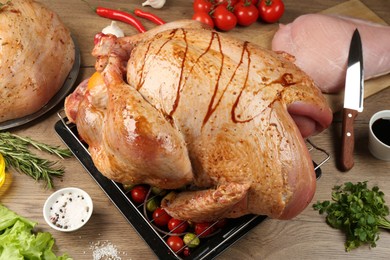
(68, 209)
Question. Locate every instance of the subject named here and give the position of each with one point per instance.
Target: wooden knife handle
(348, 139)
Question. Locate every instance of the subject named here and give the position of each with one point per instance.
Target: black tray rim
(214, 246)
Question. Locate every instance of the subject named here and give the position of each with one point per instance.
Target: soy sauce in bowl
(380, 128)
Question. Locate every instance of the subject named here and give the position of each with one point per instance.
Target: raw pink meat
(320, 45)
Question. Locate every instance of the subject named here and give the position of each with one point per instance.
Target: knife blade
(353, 100)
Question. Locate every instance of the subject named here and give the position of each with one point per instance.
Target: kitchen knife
(353, 100)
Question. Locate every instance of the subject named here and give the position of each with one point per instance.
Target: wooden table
(305, 237)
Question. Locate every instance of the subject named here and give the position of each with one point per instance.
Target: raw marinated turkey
(320, 45)
(182, 105)
(36, 55)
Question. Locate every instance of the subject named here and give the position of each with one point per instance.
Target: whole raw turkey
(184, 105)
(36, 55)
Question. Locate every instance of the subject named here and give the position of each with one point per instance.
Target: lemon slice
(95, 80)
(2, 170)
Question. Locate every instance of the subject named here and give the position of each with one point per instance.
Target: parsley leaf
(358, 211)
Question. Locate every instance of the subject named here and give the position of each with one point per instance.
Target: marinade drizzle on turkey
(184, 105)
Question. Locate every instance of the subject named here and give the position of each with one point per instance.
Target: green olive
(128, 187)
(191, 240)
(158, 191)
(152, 204)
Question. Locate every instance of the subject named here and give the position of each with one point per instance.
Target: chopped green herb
(357, 210)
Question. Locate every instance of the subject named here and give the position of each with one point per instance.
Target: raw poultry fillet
(36, 55)
(202, 109)
(320, 45)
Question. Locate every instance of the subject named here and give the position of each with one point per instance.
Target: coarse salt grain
(104, 250)
(69, 210)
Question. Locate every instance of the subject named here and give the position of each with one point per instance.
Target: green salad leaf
(19, 241)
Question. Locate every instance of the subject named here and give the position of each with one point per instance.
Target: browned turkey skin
(203, 109)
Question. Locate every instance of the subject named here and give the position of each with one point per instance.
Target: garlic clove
(157, 4)
(114, 29)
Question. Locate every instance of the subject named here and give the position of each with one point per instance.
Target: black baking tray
(208, 249)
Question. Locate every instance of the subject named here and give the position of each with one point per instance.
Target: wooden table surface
(305, 237)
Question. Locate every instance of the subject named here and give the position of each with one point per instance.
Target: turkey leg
(205, 205)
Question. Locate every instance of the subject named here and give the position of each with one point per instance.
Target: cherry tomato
(221, 223)
(271, 11)
(177, 226)
(254, 2)
(204, 229)
(224, 20)
(226, 3)
(203, 18)
(160, 217)
(138, 193)
(246, 13)
(175, 243)
(202, 6)
(186, 251)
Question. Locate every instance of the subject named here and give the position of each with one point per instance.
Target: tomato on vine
(224, 19)
(246, 13)
(271, 11)
(226, 3)
(254, 2)
(202, 6)
(204, 18)
(224, 15)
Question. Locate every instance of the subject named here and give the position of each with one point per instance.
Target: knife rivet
(349, 115)
(348, 134)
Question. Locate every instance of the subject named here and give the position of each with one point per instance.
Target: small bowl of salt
(68, 209)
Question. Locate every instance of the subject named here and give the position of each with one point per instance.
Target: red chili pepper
(120, 16)
(149, 16)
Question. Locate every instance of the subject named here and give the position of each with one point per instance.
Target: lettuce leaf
(18, 240)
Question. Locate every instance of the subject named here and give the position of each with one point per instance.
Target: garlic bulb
(114, 29)
(154, 3)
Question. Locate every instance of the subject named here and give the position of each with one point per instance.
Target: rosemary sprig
(16, 153)
(5, 4)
